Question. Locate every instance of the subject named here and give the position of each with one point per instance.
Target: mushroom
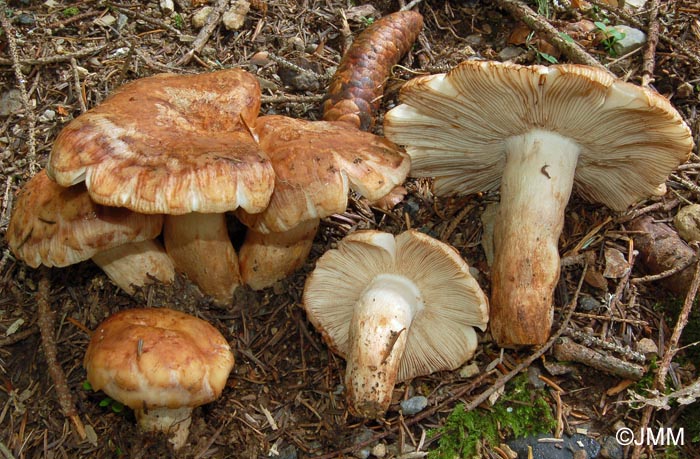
(161, 363)
(536, 132)
(57, 226)
(316, 163)
(395, 308)
(176, 145)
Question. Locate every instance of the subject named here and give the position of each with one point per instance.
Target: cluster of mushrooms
(142, 182)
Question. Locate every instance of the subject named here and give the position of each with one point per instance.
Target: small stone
(687, 222)
(469, 371)
(297, 43)
(10, 102)
(616, 265)
(414, 405)
(199, 18)
(611, 448)
(25, 19)
(587, 303)
(509, 53)
(105, 21)
(48, 116)
(533, 376)
(647, 347)
(167, 7)
(684, 90)
(633, 39)
(234, 18)
(379, 450)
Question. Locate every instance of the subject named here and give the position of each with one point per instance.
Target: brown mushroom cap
(57, 226)
(158, 357)
(170, 144)
(316, 163)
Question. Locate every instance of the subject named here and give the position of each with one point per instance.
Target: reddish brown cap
(170, 144)
(150, 358)
(58, 226)
(316, 163)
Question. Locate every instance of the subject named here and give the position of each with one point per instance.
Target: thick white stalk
(174, 422)
(535, 188)
(378, 332)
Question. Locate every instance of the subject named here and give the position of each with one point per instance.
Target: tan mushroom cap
(170, 144)
(455, 125)
(316, 163)
(153, 358)
(57, 226)
(441, 335)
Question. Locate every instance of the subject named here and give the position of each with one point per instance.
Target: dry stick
(621, 14)
(484, 395)
(21, 83)
(19, 336)
(46, 328)
(77, 87)
(649, 57)
(203, 37)
(671, 349)
(60, 58)
(572, 50)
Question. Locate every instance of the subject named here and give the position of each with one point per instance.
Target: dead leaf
(616, 264)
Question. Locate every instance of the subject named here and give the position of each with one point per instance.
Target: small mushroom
(57, 226)
(316, 164)
(176, 145)
(395, 308)
(537, 133)
(162, 364)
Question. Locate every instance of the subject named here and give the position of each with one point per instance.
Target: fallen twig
(205, 33)
(572, 50)
(671, 349)
(649, 57)
(567, 350)
(46, 327)
(21, 84)
(19, 336)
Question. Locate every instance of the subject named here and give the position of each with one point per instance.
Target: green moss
(520, 412)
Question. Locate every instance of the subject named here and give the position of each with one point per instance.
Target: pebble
(633, 39)
(687, 222)
(611, 448)
(199, 18)
(567, 448)
(414, 405)
(10, 102)
(647, 347)
(469, 371)
(379, 450)
(234, 18)
(533, 376)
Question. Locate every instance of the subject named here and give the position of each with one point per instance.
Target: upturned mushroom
(395, 308)
(536, 132)
(57, 226)
(162, 364)
(316, 163)
(176, 145)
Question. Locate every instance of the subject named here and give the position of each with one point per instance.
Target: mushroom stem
(266, 258)
(535, 188)
(200, 247)
(174, 422)
(135, 264)
(378, 333)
